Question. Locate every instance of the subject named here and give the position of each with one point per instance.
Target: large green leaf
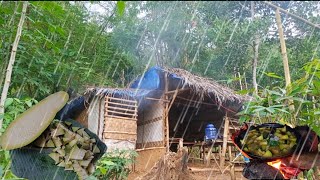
(8, 102)
(121, 5)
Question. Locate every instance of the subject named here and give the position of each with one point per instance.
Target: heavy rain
(159, 90)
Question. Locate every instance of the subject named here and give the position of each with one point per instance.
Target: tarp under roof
(206, 89)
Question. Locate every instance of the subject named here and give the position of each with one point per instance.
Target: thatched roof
(201, 86)
(207, 86)
(125, 93)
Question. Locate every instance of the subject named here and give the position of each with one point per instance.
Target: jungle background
(77, 45)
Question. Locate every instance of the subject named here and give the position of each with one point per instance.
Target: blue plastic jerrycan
(210, 132)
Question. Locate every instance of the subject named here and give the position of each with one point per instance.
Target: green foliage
(5, 161)
(14, 107)
(115, 165)
(121, 5)
(273, 105)
(60, 47)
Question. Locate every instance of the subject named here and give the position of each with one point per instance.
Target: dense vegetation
(67, 44)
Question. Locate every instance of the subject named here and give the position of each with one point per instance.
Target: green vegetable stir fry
(269, 143)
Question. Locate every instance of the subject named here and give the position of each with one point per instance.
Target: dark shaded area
(190, 122)
(72, 109)
(260, 170)
(309, 140)
(35, 164)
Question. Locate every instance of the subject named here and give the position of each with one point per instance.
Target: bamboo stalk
(120, 132)
(5, 59)
(293, 15)
(284, 57)
(128, 105)
(120, 117)
(152, 148)
(225, 141)
(12, 60)
(126, 100)
(256, 54)
(154, 99)
(122, 113)
(283, 49)
(122, 109)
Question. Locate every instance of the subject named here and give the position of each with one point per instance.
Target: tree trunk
(256, 54)
(12, 60)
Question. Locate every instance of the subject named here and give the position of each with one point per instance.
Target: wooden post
(230, 153)
(208, 157)
(166, 114)
(225, 140)
(180, 143)
(232, 172)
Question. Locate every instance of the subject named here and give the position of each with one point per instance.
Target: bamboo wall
(150, 126)
(120, 123)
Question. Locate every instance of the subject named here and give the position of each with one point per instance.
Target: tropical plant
(14, 107)
(115, 165)
(273, 105)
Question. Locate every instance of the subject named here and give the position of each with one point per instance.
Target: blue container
(210, 132)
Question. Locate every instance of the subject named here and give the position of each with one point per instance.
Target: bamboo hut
(159, 106)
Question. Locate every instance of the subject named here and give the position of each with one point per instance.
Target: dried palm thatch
(200, 86)
(206, 86)
(125, 93)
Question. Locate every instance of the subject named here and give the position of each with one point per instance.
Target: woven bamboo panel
(120, 122)
(120, 136)
(117, 124)
(119, 144)
(149, 144)
(150, 125)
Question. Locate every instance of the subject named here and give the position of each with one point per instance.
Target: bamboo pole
(12, 60)
(256, 54)
(225, 141)
(283, 49)
(284, 56)
(293, 15)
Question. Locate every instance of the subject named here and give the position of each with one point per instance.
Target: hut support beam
(225, 139)
(166, 115)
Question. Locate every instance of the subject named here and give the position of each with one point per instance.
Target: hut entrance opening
(188, 117)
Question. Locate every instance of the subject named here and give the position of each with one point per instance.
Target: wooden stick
(193, 169)
(232, 172)
(293, 15)
(128, 105)
(119, 132)
(149, 98)
(119, 99)
(167, 115)
(225, 141)
(196, 102)
(117, 112)
(122, 109)
(174, 91)
(11, 61)
(120, 117)
(152, 148)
